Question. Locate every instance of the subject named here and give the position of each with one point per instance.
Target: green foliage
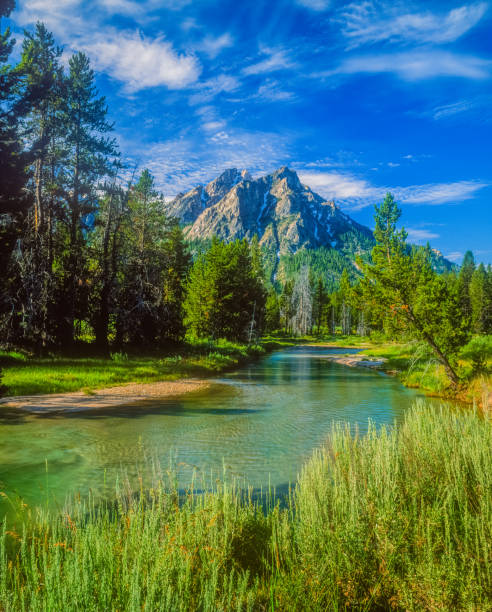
(397, 519)
(402, 282)
(479, 351)
(225, 294)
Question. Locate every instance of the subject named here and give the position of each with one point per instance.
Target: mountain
(295, 226)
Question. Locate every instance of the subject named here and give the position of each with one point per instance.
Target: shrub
(478, 350)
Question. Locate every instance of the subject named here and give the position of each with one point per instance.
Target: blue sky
(359, 98)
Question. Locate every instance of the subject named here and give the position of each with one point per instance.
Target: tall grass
(397, 519)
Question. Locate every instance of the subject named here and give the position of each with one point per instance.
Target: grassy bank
(25, 375)
(400, 519)
(417, 367)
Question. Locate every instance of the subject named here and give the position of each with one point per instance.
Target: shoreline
(108, 397)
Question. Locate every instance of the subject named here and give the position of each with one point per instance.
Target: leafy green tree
(425, 304)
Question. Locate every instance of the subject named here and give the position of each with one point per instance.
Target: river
(259, 423)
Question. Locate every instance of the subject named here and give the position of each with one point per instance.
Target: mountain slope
(295, 226)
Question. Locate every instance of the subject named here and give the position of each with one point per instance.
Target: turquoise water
(259, 423)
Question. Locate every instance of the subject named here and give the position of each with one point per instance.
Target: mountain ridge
(291, 221)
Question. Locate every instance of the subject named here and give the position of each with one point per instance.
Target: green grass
(417, 367)
(395, 520)
(24, 375)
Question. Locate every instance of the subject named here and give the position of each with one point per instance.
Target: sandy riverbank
(132, 393)
(356, 361)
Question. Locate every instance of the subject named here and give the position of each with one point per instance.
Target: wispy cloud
(275, 59)
(440, 193)
(272, 91)
(213, 46)
(454, 256)
(357, 193)
(183, 163)
(207, 90)
(315, 5)
(420, 235)
(417, 65)
(370, 22)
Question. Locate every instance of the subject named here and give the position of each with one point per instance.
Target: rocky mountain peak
(290, 176)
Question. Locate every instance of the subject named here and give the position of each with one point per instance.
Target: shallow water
(259, 423)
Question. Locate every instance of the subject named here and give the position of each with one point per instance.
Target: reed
(400, 518)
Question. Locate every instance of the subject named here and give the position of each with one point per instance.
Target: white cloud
(357, 193)
(454, 256)
(129, 57)
(338, 186)
(213, 46)
(315, 5)
(420, 235)
(140, 62)
(277, 59)
(417, 65)
(369, 22)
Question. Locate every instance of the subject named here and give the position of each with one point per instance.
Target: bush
(3, 388)
(478, 350)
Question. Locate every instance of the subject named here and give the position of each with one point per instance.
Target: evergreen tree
(345, 301)
(14, 200)
(320, 300)
(406, 284)
(464, 280)
(226, 295)
(89, 152)
(155, 262)
(42, 84)
(272, 312)
(479, 300)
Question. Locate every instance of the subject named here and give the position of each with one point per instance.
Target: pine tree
(89, 152)
(42, 85)
(226, 295)
(272, 308)
(320, 300)
(464, 280)
(478, 299)
(345, 300)
(14, 201)
(406, 284)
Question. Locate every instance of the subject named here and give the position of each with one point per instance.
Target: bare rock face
(284, 214)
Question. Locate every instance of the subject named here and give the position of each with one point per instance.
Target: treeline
(86, 254)
(399, 295)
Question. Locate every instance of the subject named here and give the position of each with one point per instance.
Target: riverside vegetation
(396, 519)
